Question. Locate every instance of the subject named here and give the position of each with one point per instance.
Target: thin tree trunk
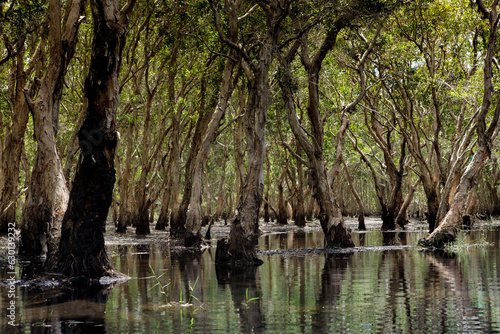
(300, 216)
(402, 217)
(282, 215)
(361, 207)
(10, 157)
(124, 188)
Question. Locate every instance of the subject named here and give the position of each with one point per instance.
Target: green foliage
(19, 18)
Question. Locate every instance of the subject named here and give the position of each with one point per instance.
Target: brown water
(397, 289)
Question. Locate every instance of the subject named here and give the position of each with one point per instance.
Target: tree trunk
(282, 215)
(402, 217)
(332, 223)
(239, 249)
(194, 212)
(124, 188)
(299, 212)
(13, 145)
(448, 228)
(82, 251)
(47, 197)
(330, 217)
(10, 157)
(361, 207)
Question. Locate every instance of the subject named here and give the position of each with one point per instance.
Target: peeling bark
(47, 197)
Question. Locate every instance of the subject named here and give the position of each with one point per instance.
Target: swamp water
(386, 286)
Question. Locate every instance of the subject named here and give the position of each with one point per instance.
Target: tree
(194, 209)
(427, 88)
(336, 234)
(20, 30)
(448, 227)
(47, 197)
(239, 249)
(81, 250)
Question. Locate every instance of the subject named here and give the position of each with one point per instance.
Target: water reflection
(332, 281)
(64, 310)
(371, 291)
(246, 296)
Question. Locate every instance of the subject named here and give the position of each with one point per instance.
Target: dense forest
(176, 114)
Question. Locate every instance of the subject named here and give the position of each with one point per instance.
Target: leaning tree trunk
(448, 227)
(194, 212)
(447, 230)
(332, 223)
(82, 251)
(47, 197)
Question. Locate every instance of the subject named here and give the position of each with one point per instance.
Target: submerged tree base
(231, 255)
(439, 238)
(193, 240)
(337, 236)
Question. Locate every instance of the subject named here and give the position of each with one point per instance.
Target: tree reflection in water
(246, 295)
(66, 310)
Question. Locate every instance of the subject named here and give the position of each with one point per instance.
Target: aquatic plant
(248, 300)
(463, 243)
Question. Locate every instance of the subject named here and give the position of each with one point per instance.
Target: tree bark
(82, 251)
(10, 154)
(282, 214)
(332, 223)
(47, 197)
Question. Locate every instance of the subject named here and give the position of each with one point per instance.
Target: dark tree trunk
(388, 220)
(267, 218)
(163, 218)
(82, 251)
(282, 214)
(239, 249)
(299, 211)
(432, 209)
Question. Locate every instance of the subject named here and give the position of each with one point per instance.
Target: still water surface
(373, 290)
